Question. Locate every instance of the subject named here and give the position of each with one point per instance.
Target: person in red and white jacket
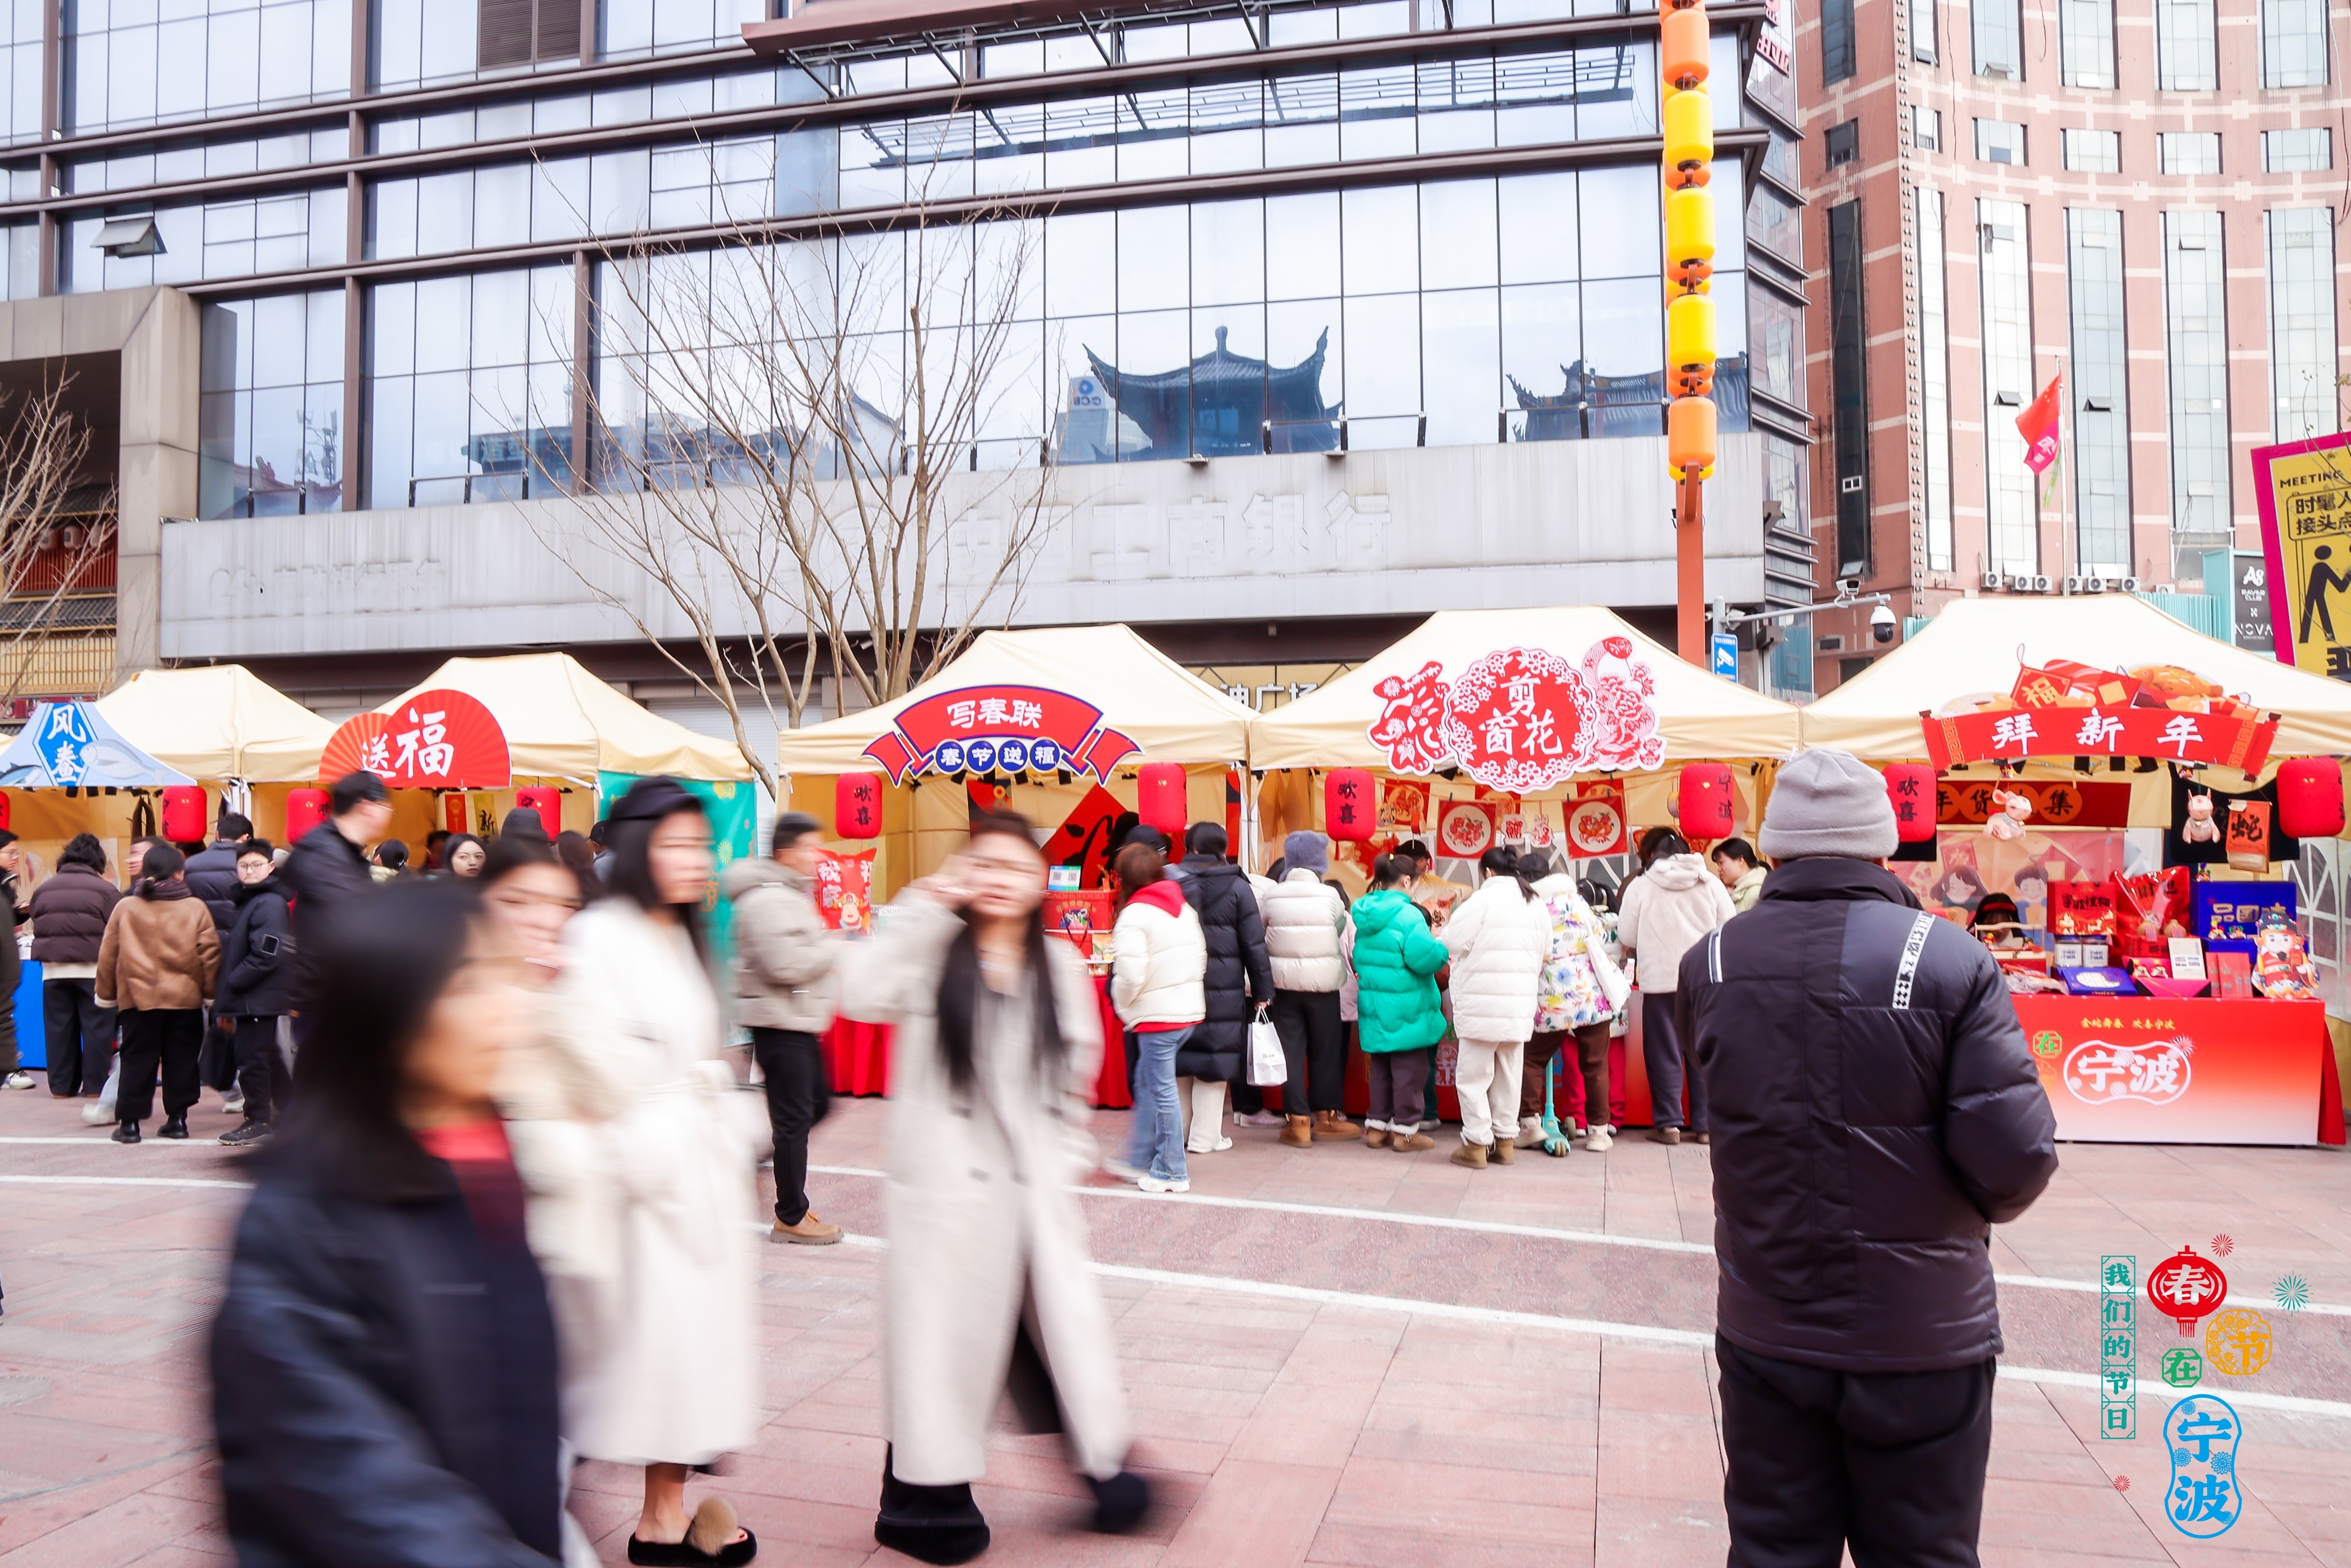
(1158, 983)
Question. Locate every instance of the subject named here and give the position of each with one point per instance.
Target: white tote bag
(1268, 1067)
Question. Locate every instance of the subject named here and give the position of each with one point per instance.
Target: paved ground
(1335, 1355)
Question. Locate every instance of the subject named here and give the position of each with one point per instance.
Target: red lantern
(1350, 804)
(857, 805)
(547, 802)
(3, 812)
(2185, 1287)
(183, 813)
(2309, 799)
(1910, 786)
(1706, 801)
(305, 809)
(1164, 800)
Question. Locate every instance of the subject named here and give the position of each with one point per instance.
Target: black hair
(377, 968)
(1503, 861)
(1736, 850)
(256, 847)
(959, 982)
(628, 832)
(514, 852)
(435, 838)
(790, 829)
(525, 820)
(1207, 839)
(1389, 870)
(391, 854)
(578, 856)
(189, 848)
(233, 825)
(1665, 842)
(452, 844)
(6, 838)
(1145, 834)
(83, 849)
(1650, 840)
(163, 863)
(1418, 850)
(353, 789)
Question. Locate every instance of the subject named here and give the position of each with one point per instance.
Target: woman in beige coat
(985, 1286)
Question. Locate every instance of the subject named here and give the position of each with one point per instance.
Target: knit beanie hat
(1828, 802)
(1306, 851)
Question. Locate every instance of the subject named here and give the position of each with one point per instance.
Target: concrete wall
(1289, 536)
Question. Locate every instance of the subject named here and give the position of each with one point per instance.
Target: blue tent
(71, 744)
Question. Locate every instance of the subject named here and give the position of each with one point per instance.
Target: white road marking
(124, 1181)
(98, 1140)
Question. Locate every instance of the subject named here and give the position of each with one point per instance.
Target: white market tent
(1974, 648)
(221, 722)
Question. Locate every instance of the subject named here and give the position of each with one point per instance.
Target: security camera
(1848, 585)
(1881, 624)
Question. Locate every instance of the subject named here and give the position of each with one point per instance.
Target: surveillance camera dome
(1882, 624)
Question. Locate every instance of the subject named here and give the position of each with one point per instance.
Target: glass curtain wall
(124, 65)
(2186, 59)
(2293, 43)
(1999, 34)
(20, 72)
(270, 437)
(2007, 286)
(215, 240)
(2099, 397)
(2196, 328)
(1934, 377)
(469, 389)
(2087, 40)
(2302, 322)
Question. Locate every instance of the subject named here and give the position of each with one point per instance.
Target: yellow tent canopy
(1699, 714)
(218, 722)
(1976, 646)
(1169, 713)
(561, 722)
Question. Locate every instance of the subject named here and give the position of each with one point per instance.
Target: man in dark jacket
(212, 872)
(328, 869)
(70, 914)
(256, 990)
(1874, 1113)
(1239, 981)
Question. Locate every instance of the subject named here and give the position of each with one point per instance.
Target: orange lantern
(1690, 424)
(1350, 804)
(857, 805)
(1704, 801)
(1684, 47)
(305, 809)
(1162, 799)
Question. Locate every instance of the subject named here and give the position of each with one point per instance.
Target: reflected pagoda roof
(1294, 390)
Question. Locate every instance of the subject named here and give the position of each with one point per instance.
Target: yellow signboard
(2304, 491)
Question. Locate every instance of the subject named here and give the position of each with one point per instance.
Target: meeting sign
(2304, 491)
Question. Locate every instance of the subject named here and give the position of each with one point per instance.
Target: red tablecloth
(858, 1056)
(2201, 1070)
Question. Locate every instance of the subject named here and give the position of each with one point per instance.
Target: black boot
(127, 1132)
(173, 1127)
(1119, 1502)
(933, 1524)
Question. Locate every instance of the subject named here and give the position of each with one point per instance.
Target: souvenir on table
(844, 891)
(2097, 982)
(2229, 913)
(2187, 957)
(2281, 970)
(2080, 909)
(1079, 915)
(2232, 974)
(2202, 824)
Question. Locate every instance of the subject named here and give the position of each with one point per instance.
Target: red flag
(2039, 426)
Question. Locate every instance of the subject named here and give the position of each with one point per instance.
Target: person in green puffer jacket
(1398, 1015)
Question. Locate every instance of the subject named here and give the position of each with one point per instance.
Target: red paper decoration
(305, 809)
(546, 802)
(1910, 786)
(183, 813)
(1706, 801)
(857, 805)
(4, 811)
(1350, 804)
(2185, 1287)
(1162, 799)
(440, 739)
(2310, 798)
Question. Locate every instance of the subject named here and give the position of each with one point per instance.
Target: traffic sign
(1724, 661)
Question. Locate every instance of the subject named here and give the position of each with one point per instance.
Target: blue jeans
(1158, 1146)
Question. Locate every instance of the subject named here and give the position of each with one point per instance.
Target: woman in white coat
(1158, 982)
(1498, 938)
(986, 1288)
(639, 1167)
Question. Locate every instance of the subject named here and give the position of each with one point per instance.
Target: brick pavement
(1549, 1398)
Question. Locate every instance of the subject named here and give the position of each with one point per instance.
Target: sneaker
(1258, 1119)
(251, 1132)
(1530, 1132)
(233, 1102)
(1666, 1135)
(1601, 1140)
(1471, 1155)
(1410, 1144)
(1219, 1146)
(19, 1081)
(809, 1233)
(1124, 1172)
(1155, 1184)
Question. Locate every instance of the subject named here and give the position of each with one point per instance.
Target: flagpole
(2065, 462)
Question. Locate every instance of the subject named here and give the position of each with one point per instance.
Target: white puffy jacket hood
(1498, 940)
(1666, 910)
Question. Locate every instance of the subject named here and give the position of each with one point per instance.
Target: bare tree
(55, 526)
(820, 455)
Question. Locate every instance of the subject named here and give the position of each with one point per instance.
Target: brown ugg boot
(1377, 1138)
(1471, 1155)
(1297, 1132)
(1332, 1125)
(1411, 1142)
(1505, 1151)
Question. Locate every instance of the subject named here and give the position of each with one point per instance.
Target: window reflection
(125, 67)
(269, 431)
(469, 395)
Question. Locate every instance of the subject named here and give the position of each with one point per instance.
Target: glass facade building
(1304, 227)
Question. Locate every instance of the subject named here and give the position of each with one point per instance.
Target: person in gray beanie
(1306, 940)
(1874, 1113)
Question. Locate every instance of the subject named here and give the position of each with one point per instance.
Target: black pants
(171, 1038)
(1314, 1047)
(82, 1036)
(1399, 1088)
(11, 969)
(1662, 1052)
(1591, 1059)
(1891, 1462)
(799, 1095)
(263, 1074)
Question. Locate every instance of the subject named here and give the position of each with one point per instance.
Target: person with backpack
(257, 990)
(1239, 982)
(1398, 1012)
(1498, 938)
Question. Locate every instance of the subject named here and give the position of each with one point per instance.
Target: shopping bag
(1268, 1067)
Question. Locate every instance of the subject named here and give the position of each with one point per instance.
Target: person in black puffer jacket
(70, 914)
(1874, 1113)
(256, 990)
(1240, 980)
(212, 871)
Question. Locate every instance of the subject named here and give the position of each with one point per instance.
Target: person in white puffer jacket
(1306, 939)
(1158, 983)
(1667, 909)
(1498, 940)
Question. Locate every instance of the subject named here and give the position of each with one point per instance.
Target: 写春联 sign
(1524, 719)
(1000, 729)
(440, 739)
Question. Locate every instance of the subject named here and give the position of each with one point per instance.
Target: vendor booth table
(2105, 711)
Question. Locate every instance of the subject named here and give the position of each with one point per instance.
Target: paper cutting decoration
(1410, 728)
(2184, 1288)
(1465, 829)
(2182, 1368)
(2292, 1291)
(1522, 720)
(1622, 685)
(1595, 821)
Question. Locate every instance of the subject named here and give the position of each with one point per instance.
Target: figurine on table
(2281, 969)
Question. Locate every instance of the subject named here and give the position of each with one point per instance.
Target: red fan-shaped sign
(438, 739)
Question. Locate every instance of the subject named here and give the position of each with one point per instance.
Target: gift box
(2227, 914)
(2108, 982)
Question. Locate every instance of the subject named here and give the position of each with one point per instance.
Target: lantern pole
(1689, 569)
(1684, 47)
